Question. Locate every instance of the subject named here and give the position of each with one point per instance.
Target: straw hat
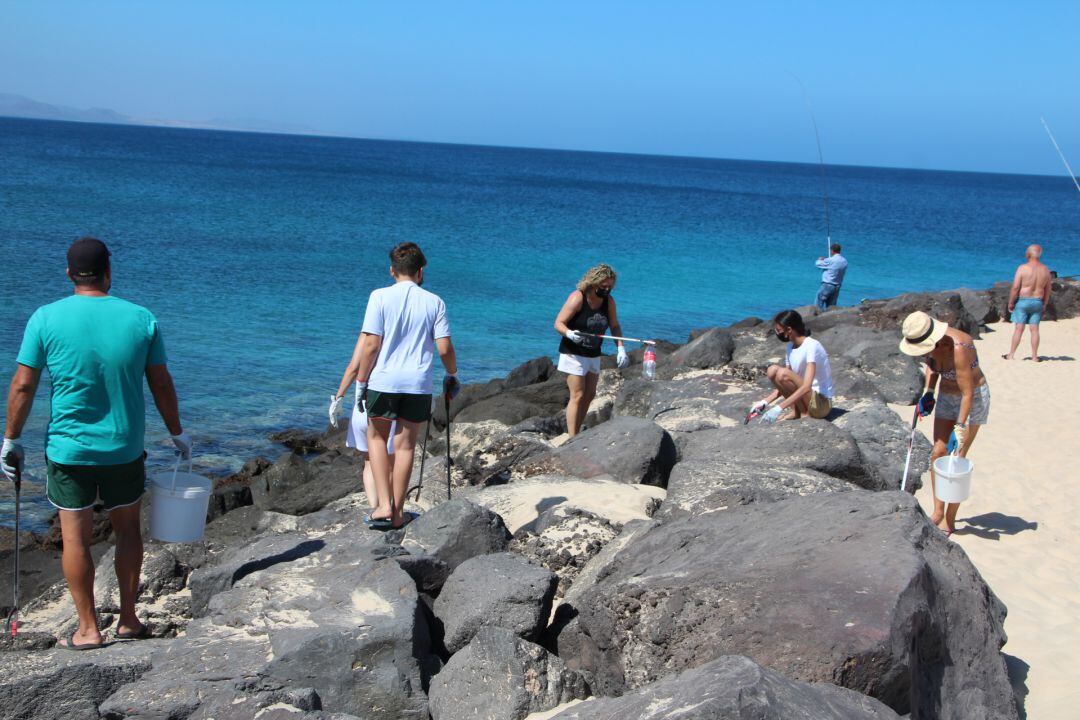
(921, 333)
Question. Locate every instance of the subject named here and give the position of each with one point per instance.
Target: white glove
(335, 410)
(759, 406)
(959, 431)
(361, 395)
(574, 336)
(621, 358)
(11, 447)
(772, 415)
(183, 445)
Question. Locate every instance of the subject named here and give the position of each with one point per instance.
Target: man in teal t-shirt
(97, 349)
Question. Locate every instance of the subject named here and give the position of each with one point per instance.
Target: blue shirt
(96, 350)
(834, 267)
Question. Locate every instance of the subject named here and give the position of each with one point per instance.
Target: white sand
(548, 714)
(522, 501)
(1020, 525)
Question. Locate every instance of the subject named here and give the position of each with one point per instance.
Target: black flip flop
(406, 519)
(70, 645)
(142, 633)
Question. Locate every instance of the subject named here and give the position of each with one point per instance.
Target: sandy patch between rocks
(522, 501)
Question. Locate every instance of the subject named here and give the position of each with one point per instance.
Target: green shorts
(398, 406)
(77, 487)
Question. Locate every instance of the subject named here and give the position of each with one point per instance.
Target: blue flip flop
(377, 523)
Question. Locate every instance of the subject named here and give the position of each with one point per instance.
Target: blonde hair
(594, 276)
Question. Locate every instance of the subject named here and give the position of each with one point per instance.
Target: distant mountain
(24, 107)
(19, 106)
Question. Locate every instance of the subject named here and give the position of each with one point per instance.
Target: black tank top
(589, 321)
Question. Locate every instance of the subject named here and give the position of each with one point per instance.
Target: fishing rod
(821, 162)
(1061, 154)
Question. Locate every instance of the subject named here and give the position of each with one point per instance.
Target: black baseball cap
(88, 258)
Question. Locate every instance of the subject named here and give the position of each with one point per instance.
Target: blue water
(257, 252)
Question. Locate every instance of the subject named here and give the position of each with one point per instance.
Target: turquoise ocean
(257, 252)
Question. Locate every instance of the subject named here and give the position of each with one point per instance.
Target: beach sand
(1020, 526)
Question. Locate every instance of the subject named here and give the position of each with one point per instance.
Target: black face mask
(782, 337)
(602, 292)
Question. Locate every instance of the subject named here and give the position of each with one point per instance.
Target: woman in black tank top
(587, 313)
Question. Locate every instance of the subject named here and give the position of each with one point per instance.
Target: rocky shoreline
(667, 562)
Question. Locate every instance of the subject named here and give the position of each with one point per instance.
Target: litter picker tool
(423, 452)
(911, 438)
(910, 447)
(11, 626)
(446, 399)
(1060, 154)
(624, 339)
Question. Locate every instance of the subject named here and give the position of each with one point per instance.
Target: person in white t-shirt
(356, 435)
(404, 326)
(805, 380)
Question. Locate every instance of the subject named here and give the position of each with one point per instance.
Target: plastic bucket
(952, 478)
(178, 505)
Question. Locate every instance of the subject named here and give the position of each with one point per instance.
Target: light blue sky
(957, 85)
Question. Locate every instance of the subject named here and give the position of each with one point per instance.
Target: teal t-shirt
(96, 350)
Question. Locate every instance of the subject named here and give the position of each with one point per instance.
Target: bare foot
(1007, 356)
(382, 514)
(132, 630)
(1036, 359)
(78, 639)
(944, 527)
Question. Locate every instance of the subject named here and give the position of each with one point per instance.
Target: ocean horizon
(257, 251)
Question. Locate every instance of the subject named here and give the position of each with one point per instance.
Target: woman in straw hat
(963, 400)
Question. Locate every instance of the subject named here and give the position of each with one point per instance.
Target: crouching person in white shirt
(805, 379)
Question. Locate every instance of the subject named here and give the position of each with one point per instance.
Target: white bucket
(178, 505)
(952, 478)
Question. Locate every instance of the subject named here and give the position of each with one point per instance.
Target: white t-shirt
(811, 351)
(409, 320)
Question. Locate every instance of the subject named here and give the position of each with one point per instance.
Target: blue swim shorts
(1027, 311)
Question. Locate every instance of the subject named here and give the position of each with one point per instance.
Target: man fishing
(832, 277)
(97, 349)
(1028, 298)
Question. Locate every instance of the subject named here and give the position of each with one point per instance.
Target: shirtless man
(1028, 298)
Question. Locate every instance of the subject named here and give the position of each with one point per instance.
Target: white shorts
(578, 365)
(356, 437)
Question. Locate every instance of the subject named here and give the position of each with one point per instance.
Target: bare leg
(129, 558)
(368, 478)
(787, 382)
(1035, 343)
(591, 381)
(78, 565)
(404, 446)
(1018, 332)
(578, 406)
(942, 431)
(378, 434)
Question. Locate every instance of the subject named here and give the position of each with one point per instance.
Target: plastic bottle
(648, 367)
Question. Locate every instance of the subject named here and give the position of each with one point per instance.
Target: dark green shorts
(398, 406)
(77, 487)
